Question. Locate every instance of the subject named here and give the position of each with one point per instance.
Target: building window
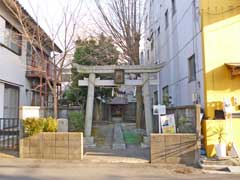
(146, 23)
(29, 49)
(192, 68)
(155, 98)
(148, 55)
(11, 102)
(166, 19)
(152, 44)
(12, 39)
(165, 96)
(159, 30)
(142, 58)
(173, 7)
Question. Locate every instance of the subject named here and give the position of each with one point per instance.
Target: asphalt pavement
(24, 169)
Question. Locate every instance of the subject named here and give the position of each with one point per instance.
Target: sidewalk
(132, 154)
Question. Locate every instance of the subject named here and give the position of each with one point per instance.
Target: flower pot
(220, 150)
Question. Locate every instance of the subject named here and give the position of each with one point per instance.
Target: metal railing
(9, 133)
(36, 67)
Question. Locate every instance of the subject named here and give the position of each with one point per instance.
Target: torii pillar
(147, 104)
(89, 111)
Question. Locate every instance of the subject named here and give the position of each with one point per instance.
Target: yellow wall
(210, 134)
(221, 44)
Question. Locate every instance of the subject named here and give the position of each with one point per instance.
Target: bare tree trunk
(55, 109)
(139, 108)
(135, 57)
(55, 103)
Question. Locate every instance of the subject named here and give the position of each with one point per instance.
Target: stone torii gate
(92, 81)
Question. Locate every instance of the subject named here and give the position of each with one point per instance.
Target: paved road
(17, 169)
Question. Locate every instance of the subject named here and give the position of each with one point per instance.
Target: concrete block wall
(66, 146)
(174, 148)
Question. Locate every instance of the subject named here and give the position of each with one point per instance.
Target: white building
(172, 34)
(16, 83)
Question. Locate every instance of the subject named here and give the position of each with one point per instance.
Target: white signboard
(159, 109)
(167, 124)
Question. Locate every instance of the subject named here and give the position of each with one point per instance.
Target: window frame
(159, 30)
(166, 100)
(8, 42)
(166, 19)
(192, 73)
(152, 44)
(174, 9)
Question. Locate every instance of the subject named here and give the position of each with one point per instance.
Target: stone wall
(174, 148)
(67, 146)
(37, 112)
(63, 111)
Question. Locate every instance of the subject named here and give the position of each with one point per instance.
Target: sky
(51, 11)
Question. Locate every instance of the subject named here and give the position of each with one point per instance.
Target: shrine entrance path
(103, 151)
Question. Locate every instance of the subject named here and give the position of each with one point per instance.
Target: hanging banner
(167, 124)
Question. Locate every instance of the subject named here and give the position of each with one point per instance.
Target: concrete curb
(219, 169)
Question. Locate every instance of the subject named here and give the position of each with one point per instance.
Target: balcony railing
(36, 69)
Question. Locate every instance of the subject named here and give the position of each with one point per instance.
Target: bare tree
(48, 60)
(123, 19)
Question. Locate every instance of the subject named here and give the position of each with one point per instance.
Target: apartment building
(20, 84)
(198, 41)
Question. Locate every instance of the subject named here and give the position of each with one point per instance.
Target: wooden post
(109, 113)
(46, 94)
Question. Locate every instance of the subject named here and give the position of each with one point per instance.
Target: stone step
(130, 119)
(118, 139)
(218, 165)
(117, 119)
(214, 167)
(215, 161)
(221, 169)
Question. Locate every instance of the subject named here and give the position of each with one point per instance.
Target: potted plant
(184, 126)
(221, 146)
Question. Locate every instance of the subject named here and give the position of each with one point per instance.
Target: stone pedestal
(89, 142)
(62, 125)
(146, 142)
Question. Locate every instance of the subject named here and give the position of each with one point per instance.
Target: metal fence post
(21, 136)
